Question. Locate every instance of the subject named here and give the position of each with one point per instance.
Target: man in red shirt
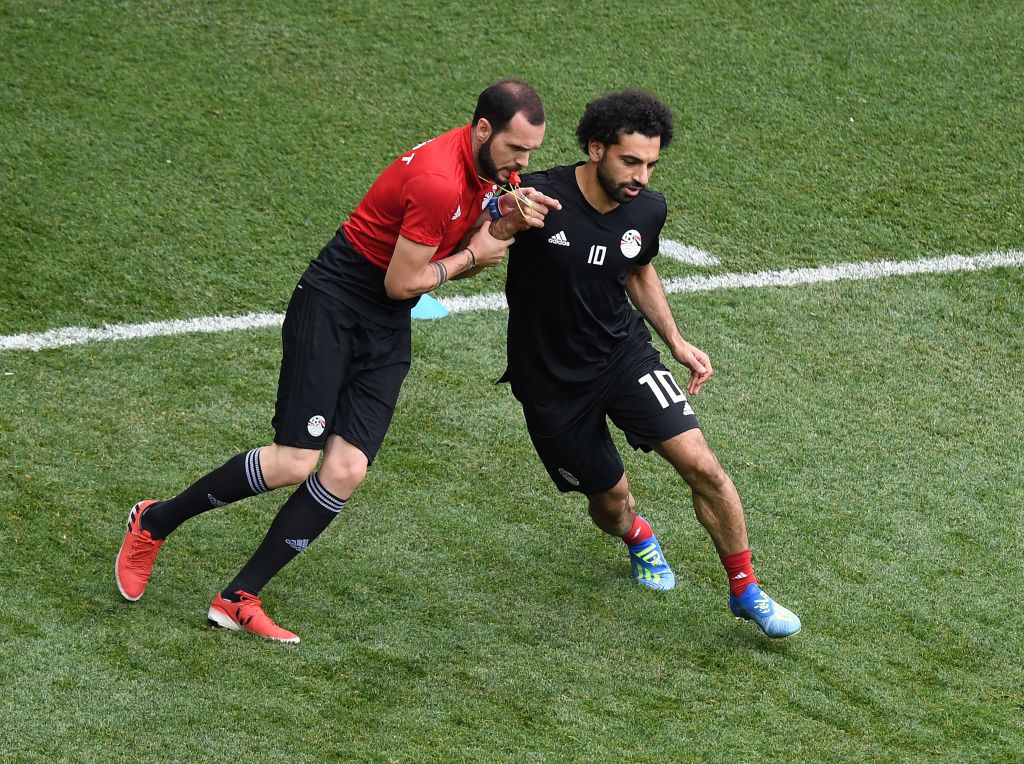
(347, 346)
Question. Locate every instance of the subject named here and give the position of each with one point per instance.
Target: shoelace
(249, 608)
(247, 603)
(142, 549)
(246, 598)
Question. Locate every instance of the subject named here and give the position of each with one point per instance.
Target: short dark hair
(631, 111)
(503, 100)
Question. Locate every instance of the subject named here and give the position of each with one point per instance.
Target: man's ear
(483, 130)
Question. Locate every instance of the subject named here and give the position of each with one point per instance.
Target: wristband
(492, 208)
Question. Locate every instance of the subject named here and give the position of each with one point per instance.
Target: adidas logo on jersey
(458, 213)
(559, 239)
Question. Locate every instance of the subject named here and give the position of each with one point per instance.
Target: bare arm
(468, 273)
(411, 272)
(522, 209)
(645, 290)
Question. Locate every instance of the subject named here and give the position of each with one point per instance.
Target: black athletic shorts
(570, 431)
(340, 374)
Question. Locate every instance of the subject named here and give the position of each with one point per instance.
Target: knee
(613, 504)
(284, 465)
(342, 473)
(707, 472)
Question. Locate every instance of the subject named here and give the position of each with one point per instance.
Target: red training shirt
(430, 195)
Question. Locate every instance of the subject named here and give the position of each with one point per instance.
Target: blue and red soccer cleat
(773, 619)
(649, 566)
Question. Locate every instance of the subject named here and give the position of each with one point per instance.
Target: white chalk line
(79, 335)
(684, 253)
(794, 277)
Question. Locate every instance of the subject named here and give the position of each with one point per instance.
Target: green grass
(164, 160)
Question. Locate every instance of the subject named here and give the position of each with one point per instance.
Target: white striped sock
(253, 473)
(322, 496)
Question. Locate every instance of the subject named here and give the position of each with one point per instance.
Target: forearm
(648, 295)
(664, 323)
(459, 264)
(469, 272)
(413, 269)
(406, 279)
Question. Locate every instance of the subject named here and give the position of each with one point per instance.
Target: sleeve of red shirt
(428, 203)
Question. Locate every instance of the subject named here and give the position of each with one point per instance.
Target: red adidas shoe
(135, 559)
(247, 615)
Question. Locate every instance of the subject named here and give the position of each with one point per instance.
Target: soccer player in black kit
(579, 354)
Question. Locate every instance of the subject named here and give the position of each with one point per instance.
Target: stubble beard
(486, 161)
(614, 191)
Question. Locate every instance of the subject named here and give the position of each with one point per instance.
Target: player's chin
(629, 193)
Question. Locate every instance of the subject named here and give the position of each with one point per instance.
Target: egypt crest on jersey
(631, 243)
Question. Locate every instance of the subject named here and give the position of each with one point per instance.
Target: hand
(488, 249)
(697, 361)
(524, 208)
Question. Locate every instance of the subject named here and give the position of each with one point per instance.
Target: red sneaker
(135, 559)
(247, 615)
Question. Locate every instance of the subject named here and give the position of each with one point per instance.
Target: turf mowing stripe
(78, 335)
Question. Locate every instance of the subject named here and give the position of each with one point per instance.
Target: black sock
(303, 517)
(238, 478)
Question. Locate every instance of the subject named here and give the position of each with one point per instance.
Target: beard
(486, 161)
(615, 191)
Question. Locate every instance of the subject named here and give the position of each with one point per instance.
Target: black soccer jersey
(569, 316)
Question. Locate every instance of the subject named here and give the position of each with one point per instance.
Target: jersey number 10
(665, 384)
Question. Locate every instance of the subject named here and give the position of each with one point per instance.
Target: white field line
(823, 274)
(846, 272)
(78, 335)
(684, 253)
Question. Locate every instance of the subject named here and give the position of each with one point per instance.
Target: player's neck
(592, 190)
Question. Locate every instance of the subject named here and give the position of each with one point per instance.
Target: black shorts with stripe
(340, 373)
(570, 431)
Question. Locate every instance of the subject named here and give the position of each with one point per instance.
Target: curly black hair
(631, 111)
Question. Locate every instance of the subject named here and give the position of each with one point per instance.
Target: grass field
(169, 160)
